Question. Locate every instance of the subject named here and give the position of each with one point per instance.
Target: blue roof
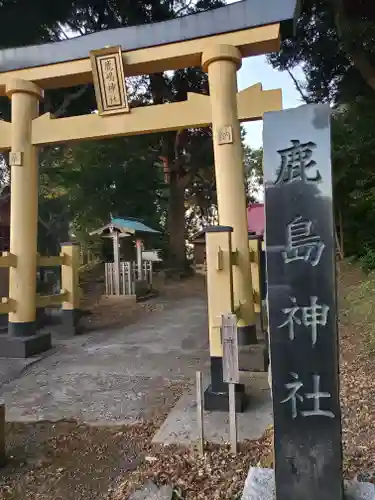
(132, 225)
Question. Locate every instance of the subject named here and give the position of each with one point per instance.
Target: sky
(257, 70)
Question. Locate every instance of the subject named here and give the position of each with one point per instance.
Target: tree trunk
(176, 225)
(341, 226)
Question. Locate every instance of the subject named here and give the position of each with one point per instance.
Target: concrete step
(253, 358)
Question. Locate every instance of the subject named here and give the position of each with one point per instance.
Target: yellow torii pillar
(23, 340)
(222, 63)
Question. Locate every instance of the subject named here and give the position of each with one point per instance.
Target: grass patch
(359, 309)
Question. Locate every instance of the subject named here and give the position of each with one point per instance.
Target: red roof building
(256, 218)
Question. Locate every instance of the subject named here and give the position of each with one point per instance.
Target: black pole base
(253, 358)
(216, 396)
(247, 335)
(22, 341)
(71, 321)
(3, 323)
(219, 401)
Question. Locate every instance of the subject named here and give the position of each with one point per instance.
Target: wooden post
(106, 278)
(70, 283)
(2, 435)
(220, 300)
(116, 260)
(200, 413)
(138, 245)
(231, 374)
(129, 278)
(255, 250)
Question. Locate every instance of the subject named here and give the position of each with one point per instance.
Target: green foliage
(88, 182)
(354, 180)
(335, 51)
(24, 22)
(360, 305)
(337, 54)
(253, 162)
(368, 259)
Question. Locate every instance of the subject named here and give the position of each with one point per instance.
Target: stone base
(247, 335)
(253, 358)
(3, 323)
(24, 347)
(219, 401)
(260, 485)
(41, 317)
(70, 321)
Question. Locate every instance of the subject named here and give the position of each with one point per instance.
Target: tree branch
(358, 57)
(184, 9)
(305, 98)
(68, 99)
(363, 65)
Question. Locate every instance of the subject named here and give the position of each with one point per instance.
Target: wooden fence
(68, 296)
(130, 273)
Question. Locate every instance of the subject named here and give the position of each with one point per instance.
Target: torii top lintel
(243, 15)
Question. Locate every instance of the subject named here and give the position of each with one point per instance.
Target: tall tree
(336, 51)
(335, 46)
(86, 183)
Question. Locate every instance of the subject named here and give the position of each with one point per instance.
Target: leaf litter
(69, 460)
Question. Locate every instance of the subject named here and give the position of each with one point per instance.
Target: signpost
(231, 374)
(302, 303)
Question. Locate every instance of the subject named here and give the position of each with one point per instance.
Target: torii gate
(217, 40)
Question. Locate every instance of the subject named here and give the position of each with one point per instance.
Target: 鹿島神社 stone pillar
(22, 339)
(222, 62)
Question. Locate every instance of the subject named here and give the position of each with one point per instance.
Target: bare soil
(67, 460)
